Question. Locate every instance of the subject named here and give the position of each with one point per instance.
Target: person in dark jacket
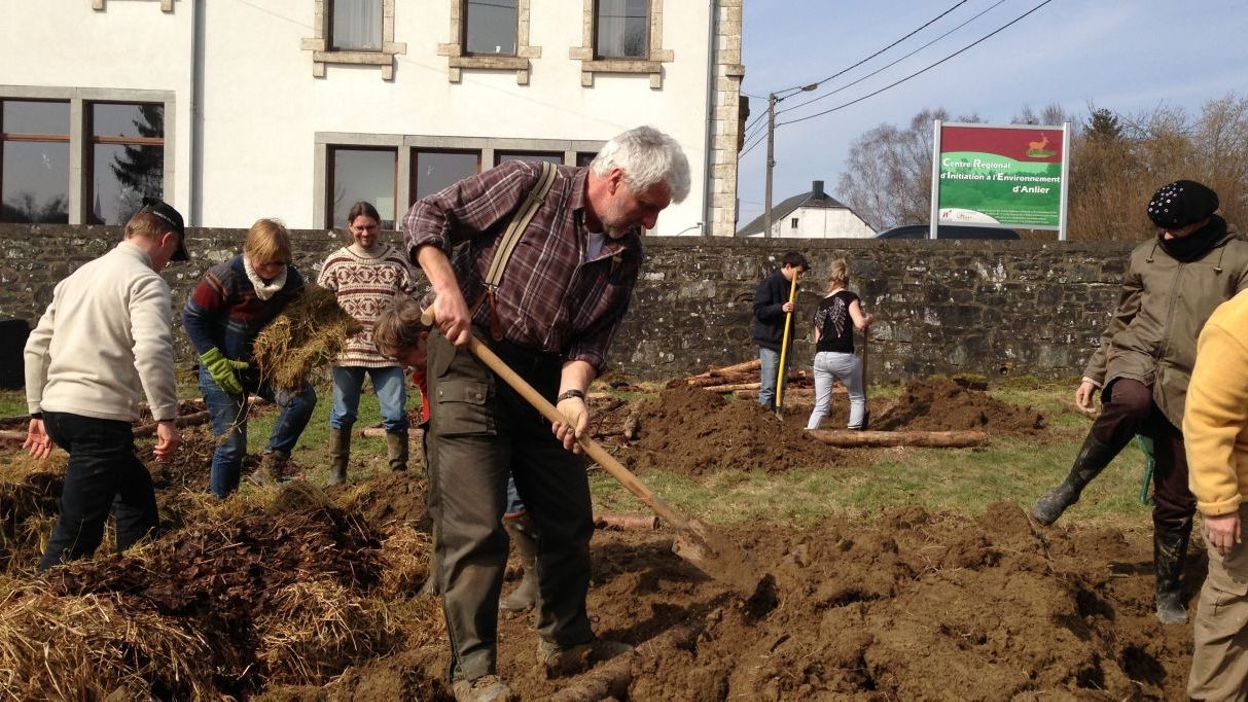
(1144, 363)
(771, 306)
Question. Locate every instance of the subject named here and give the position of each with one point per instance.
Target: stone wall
(996, 308)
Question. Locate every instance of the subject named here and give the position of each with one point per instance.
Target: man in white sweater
(105, 335)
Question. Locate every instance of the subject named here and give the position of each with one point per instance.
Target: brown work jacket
(1164, 305)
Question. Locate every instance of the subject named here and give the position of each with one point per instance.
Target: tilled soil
(945, 405)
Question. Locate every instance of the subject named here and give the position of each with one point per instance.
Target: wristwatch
(568, 394)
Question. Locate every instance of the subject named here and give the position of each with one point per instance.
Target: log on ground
(931, 439)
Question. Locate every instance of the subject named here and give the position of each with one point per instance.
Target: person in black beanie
(1144, 362)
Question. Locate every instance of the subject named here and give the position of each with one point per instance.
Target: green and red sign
(1011, 176)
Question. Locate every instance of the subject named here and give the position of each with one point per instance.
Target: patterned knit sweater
(365, 285)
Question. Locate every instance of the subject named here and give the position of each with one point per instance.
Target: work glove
(224, 371)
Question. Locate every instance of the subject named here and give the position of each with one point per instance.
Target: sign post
(1000, 176)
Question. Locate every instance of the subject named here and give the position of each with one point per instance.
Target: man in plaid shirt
(565, 290)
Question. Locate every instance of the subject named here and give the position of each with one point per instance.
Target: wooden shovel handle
(592, 448)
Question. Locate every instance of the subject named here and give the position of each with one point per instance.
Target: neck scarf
(1195, 245)
(264, 290)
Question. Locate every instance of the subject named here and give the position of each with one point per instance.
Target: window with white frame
(622, 36)
(353, 33)
(82, 155)
(490, 27)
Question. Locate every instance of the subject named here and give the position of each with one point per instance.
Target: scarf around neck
(1197, 244)
(265, 290)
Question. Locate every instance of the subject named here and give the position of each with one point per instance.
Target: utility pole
(772, 99)
(771, 161)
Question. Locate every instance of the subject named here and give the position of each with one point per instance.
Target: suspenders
(507, 244)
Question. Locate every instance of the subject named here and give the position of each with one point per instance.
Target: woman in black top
(839, 313)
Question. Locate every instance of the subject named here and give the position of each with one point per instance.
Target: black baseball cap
(165, 211)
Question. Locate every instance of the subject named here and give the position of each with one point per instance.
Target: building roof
(815, 199)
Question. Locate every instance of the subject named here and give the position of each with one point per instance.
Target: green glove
(223, 370)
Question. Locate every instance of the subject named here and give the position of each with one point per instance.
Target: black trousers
(1128, 409)
(480, 431)
(103, 474)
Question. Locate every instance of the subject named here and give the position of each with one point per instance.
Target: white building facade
(237, 109)
(810, 215)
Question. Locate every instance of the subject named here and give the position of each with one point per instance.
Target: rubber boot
(1092, 459)
(270, 470)
(524, 597)
(396, 449)
(1169, 557)
(339, 454)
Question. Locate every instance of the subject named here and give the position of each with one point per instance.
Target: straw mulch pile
(225, 606)
(307, 335)
(27, 511)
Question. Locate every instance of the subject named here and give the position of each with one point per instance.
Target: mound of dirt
(943, 405)
(689, 430)
(914, 605)
(390, 498)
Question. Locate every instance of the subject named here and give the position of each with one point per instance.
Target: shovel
(695, 543)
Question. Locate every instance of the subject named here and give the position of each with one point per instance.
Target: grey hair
(648, 157)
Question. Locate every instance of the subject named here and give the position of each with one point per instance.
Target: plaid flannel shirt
(551, 299)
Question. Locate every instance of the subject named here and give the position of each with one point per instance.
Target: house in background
(295, 109)
(812, 215)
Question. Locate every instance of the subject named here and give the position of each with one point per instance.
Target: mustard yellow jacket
(1215, 427)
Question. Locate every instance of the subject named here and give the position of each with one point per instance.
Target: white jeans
(830, 365)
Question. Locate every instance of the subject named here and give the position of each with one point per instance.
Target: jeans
(770, 371)
(227, 415)
(391, 389)
(831, 365)
(515, 505)
(102, 466)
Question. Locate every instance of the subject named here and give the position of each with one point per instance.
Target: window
(34, 161)
(552, 157)
(584, 158)
(623, 36)
(353, 33)
(793, 223)
(433, 170)
(490, 27)
(127, 159)
(622, 29)
(355, 25)
(362, 174)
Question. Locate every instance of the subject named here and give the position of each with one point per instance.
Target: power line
(887, 66)
(920, 28)
(922, 70)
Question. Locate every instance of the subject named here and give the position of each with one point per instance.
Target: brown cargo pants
(1220, 655)
(479, 431)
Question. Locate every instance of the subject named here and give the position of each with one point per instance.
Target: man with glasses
(105, 335)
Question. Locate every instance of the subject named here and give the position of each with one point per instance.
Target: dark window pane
(435, 170)
(356, 25)
(584, 158)
(25, 117)
(36, 182)
(363, 174)
(555, 158)
(491, 27)
(623, 29)
(109, 120)
(121, 176)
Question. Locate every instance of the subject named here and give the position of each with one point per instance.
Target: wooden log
(626, 522)
(932, 439)
(609, 680)
(373, 432)
(186, 420)
(13, 437)
(714, 376)
(733, 387)
(801, 394)
(743, 367)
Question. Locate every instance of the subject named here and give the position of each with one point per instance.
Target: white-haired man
(567, 284)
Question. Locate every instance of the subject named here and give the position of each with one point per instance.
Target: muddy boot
(524, 597)
(1092, 459)
(396, 449)
(561, 662)
(487, 688)
(271, 465)
(1169, 556)
(339, 454)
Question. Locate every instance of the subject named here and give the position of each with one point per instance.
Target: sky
(1130, 56)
